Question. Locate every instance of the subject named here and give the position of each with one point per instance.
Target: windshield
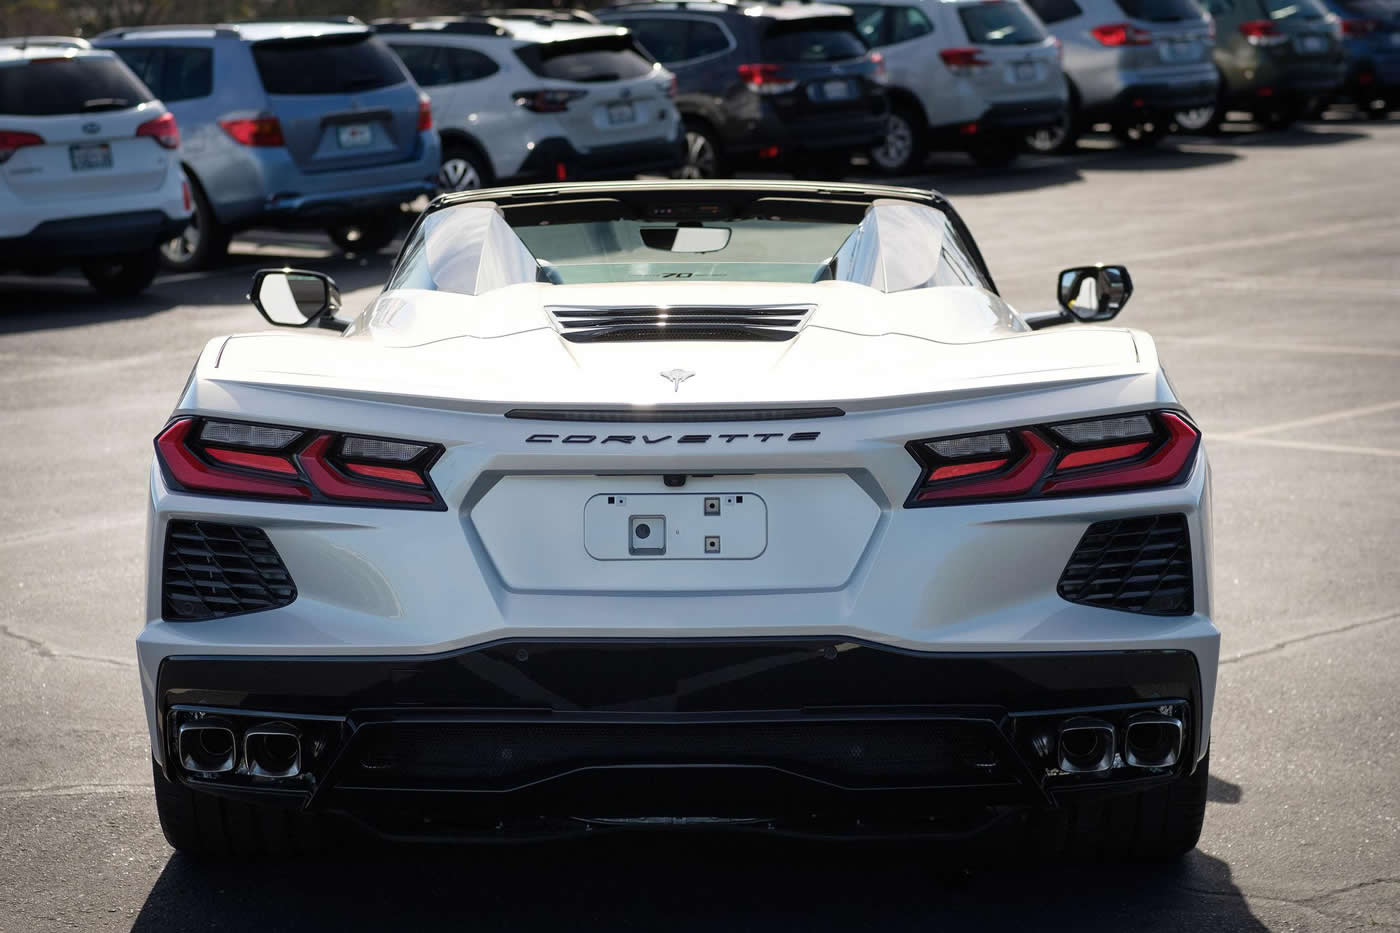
(890, 245)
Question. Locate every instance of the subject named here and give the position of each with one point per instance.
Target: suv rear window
(172, 73)
(50, 87)
(828, 39)
(1162, 11)
(999, 23)
(326, 65)
(1288, 9)
(601, 58)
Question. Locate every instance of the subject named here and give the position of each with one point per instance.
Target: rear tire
(1142, 133)
(1281, 116)
(1158, 824)
(203, 243)
(902, 152)
(703, 157)
(368, 234)
(209, 827)
(122, 276)
(462, 169)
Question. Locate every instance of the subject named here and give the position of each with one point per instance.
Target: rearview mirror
(686, 239)
(294, 297)
(1095, 293)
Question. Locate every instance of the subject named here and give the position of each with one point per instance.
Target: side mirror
(296, 298)
(1095, 293)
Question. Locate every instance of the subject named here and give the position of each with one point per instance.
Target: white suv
(89, 165)
(539, 99)
(970, 75)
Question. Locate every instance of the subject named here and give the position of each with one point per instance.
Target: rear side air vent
(597, 325)
(1134, 565)
(213, 570)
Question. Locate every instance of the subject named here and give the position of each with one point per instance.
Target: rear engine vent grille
(1134, 564)
(214, 570)
(597, 325)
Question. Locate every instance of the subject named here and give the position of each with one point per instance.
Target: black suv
(786, 87)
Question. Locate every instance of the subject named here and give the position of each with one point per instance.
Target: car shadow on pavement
(1167, 156)
(28, 304)
(684, 882)
(1281, 139)
(955, 176)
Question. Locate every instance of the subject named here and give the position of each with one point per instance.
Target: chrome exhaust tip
(1085, 745)
(272, 750)
(207, 747)
(1153, 741)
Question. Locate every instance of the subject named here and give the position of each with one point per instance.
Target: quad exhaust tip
(208, 747)
(272, 750)
(1085, 745)
(1152, 740)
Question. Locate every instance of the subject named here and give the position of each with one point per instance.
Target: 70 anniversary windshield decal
(681, 439)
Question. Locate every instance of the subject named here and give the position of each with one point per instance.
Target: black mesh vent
(1134, 564)
(593, 325)
(214, 570)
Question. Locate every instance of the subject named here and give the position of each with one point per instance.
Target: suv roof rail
(545, 16)
(458, 25)
(219, 30)
(328, 20)
(64, 42)
(678, 4)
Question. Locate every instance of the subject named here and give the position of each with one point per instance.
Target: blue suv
(287, 124)
(1371, 39)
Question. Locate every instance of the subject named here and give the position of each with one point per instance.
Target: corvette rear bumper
(775, 731)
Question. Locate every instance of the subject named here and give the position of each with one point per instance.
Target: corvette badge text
(681, 439)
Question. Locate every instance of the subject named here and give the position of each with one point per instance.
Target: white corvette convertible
(722, 504)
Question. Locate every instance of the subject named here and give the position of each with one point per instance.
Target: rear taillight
(882, 74)
(1117, 34)
(1261, 32)
(963, 61)
(1073, 458)
(12, 141)
(425, 112)
(163, 129)
(259, 131)
(270, 462)
(671, 88)
(547, 101)
(766, 79)
(1359, 27)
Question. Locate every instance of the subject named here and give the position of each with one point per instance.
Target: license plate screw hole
(711, 544)
(712, 505)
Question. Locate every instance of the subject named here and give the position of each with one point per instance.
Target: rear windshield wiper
(105, 103)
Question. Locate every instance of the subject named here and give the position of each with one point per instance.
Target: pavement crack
(44, 650)
(1298, 639)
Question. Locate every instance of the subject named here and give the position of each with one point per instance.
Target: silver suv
(539, 98)
(970, 75)
(1129, 63)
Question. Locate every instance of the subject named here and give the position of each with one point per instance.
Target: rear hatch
(85, 111)
(1172, 34)
(610, 89)
(1018, 61)
(815, 68)
(1309, 35)
(343, 100)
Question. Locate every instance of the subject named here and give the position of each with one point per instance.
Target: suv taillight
(14, 140)
(1116, 34)
(963, 61)
(1261, 32)
(766, 79)
(1131, 451)
(261, 461)
(425, 112)
(547, 101)
(1359, 27)
(259, 131)
(163, 129)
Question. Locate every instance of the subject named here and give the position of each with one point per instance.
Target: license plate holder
(1023, 72)
(675, 526)
(621, 112)
(836, 90)
(354, 135)
(1311, 45)
(1180, 50)
(87, 157)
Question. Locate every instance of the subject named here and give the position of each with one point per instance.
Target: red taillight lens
(425, 113)
(672, 88)
(1261, 32)
(766, 79)
(260, 131)
(1359, 27)
(547, 101)
(264, 461)
(1116, 34)
(13, 140)
(881, 71)
(1072, 458)
(962, 60)
(163, 129)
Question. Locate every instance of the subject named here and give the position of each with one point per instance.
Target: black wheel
(1161, 823)
(368, 234)
(703, 158)
(202, 243)
(1377, 109)
(463, 169)
(1060, 139)
(1282, 115)
(1142, 132)
(902, 151)
(210, 827)
(1201, 120)
(993, 153)
(122, 276)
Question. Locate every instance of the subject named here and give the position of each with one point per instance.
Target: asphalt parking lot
(1268, 268)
